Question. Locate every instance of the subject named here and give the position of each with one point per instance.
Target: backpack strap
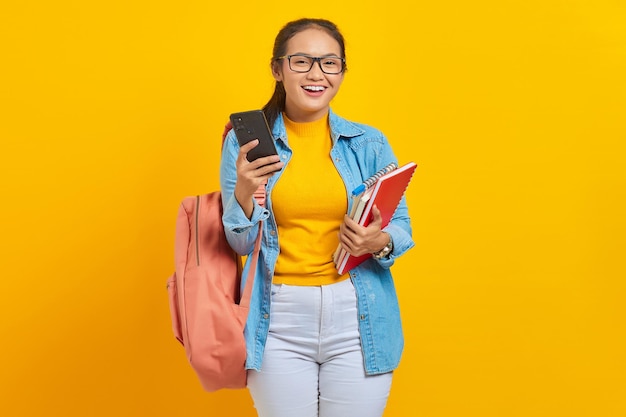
(247, 290)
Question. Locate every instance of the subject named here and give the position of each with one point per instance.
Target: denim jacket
(358, 151)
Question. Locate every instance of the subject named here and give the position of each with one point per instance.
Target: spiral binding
(372, 180)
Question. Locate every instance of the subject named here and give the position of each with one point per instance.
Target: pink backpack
(208, 314)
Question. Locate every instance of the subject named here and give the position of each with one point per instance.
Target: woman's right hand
(252, 174)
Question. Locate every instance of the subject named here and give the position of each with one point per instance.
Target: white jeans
(313, 364)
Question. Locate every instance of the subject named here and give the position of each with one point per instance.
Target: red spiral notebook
(386, 194)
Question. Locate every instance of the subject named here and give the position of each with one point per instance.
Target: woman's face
(309, 94)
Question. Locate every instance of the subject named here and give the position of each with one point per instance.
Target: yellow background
(512, 299)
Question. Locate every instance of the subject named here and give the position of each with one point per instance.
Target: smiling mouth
(314, 88)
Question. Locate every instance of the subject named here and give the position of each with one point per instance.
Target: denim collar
(340, 128)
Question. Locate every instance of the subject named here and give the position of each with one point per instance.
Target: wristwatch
(384, 252)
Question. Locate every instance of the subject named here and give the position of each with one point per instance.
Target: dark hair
(276, 104)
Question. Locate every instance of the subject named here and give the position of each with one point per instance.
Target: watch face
(384, 251)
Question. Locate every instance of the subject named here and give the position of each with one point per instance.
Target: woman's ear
(276, 70)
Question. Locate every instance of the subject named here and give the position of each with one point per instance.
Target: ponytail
(276, 104)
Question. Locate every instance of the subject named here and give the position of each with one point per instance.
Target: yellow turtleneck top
(309, 202)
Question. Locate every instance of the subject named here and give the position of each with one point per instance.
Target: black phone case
(250, 125)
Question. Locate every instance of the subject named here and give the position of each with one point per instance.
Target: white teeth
(314, 87)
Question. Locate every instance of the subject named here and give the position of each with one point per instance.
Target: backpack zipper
(197, 238)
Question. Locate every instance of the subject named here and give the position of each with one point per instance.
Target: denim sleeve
(240, 231)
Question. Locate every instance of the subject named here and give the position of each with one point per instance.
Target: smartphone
(250, 125)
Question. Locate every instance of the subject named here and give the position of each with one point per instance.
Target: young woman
(319, 344)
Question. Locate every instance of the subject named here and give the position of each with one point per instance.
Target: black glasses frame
(314, 59)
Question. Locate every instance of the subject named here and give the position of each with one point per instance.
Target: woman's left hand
(358, 240)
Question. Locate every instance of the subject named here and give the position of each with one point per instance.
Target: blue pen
(358, 190)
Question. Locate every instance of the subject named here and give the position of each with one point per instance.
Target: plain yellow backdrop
(515, 111)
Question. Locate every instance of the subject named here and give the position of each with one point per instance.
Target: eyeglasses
(304, 63)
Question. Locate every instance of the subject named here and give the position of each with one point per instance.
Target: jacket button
(266, 316)
(362, 316)
(273, 233)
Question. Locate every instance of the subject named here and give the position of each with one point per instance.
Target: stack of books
(385, 190)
